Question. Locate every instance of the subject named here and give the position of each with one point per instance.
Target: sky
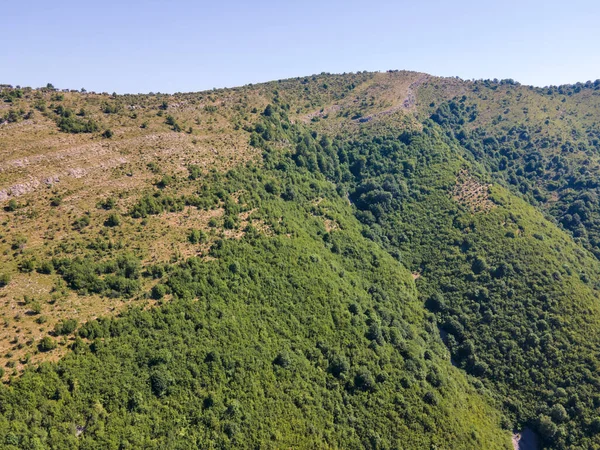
(181, 46)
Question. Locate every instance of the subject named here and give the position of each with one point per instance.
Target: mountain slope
(257, 246)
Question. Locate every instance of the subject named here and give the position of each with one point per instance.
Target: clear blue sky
(169, 46)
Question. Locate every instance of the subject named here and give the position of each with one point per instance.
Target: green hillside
(370, 260)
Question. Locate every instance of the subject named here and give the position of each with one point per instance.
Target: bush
(47, 344)
(18, 242)
(436, 303)
(45, 268)
(65, 327)
(27, 265)
(81, 223)
(197, 236)
(479, 265)
(430, 398)
(36, 307)
(107, 134)
(4, 279)
(195, 172)
(56, 200)
(546, 427)
(107, 204)
(158, 291)
(74, 125)
(113, 220)
(12, 205)
(268, 112)
(229, 223)
(559, 413)
(166, 180)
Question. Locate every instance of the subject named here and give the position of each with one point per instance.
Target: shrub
(113, 220)
(74, 125)
(107, 204)
(559, 413)
(195, 172)
(229, 223)
(18, 242)
(56, 200)
(46, 267)
(479, 265)
(110, 108)
(196, 236)
(268, 112)
(436, 303)
(158, 291)
(36, 307)
(47, 344)
(430, 398)
(107, 134)
(65, 327)
(165, 181)
(12, 205)
(81, 223)
(28, 265)
(4, 279)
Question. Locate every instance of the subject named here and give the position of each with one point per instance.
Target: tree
(160, 380)
(364, 380)
(546, 427)
(479, 265)
(338, 366)
(559, 413)
(268, 112)
(436, 303)
(282, 359)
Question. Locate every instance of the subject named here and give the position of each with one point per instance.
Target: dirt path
(408, 102)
